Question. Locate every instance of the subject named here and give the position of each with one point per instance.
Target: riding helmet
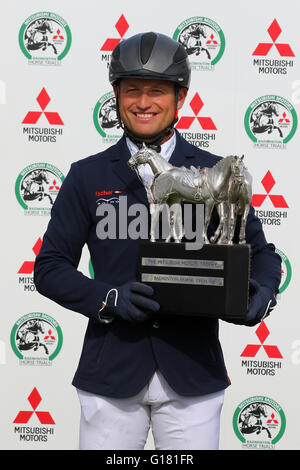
(150, 55)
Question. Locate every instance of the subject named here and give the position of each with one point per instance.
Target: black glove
(261, 303)
(129, 302)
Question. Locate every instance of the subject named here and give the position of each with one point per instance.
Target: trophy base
(212, 282)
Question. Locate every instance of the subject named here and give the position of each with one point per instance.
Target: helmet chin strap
(155, 144)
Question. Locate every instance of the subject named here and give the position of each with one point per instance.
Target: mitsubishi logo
(212, 40)
(196, 105)
(264, 48)
(262, 333)
(54, 186)
(122, 27)
(28, 266)
(284, 118)
(58, 35)
(34, 399)
(43, 100)
(268, 183)
(272, 419)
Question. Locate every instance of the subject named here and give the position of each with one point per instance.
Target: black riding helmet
(153, 56)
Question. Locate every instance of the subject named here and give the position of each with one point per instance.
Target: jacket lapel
(119, 157)
(183, 153)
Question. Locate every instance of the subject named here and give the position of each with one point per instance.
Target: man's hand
(130, 302)
(262, 302)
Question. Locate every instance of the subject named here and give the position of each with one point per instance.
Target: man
(138, 367)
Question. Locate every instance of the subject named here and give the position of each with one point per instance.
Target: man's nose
(144, 101)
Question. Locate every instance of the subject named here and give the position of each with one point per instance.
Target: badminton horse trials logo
(259, 423)
(37, 187)
(36, 339)
(203, 40)
(45, 38)
(106, 119)
(286, 271)
(270, 122)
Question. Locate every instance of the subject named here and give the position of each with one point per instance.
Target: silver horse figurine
(238, 201)
(227, 185)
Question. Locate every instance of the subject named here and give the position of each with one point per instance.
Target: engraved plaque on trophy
(210, 282)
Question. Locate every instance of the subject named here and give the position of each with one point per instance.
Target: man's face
(147, 106)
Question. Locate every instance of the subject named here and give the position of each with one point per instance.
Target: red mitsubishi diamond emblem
(278, 200)
(34, 399)
(28, 266)
(272, 419)
(262, 333)
(274, 31)
(43, 100)
(122, 27)
(196, 105)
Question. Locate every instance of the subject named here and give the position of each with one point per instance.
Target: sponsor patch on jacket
(108, 196)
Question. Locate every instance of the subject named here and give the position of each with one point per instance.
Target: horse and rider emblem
(45, 37)
(259, 423)
(193, 39)
(40, 34)
(203, 40)
(36, 337)
(37, 187)
(271, 121)
(106, 119)
(226, 186)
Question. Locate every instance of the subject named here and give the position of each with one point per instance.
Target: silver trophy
(227, 185)
(218, 273)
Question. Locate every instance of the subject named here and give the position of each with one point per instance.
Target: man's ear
(116, 90)
(181, 97)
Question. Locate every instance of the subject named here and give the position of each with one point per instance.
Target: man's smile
(144, 116)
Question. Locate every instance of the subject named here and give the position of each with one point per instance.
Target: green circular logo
(203, 40)
(37, 187)
(45, 38)
(270, 119)
(105, 117)
(36, 338)
(286, 272)
(259, 422)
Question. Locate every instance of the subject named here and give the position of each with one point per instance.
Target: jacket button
(155, 324)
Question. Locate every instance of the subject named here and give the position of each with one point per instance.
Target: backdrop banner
(57, 106)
